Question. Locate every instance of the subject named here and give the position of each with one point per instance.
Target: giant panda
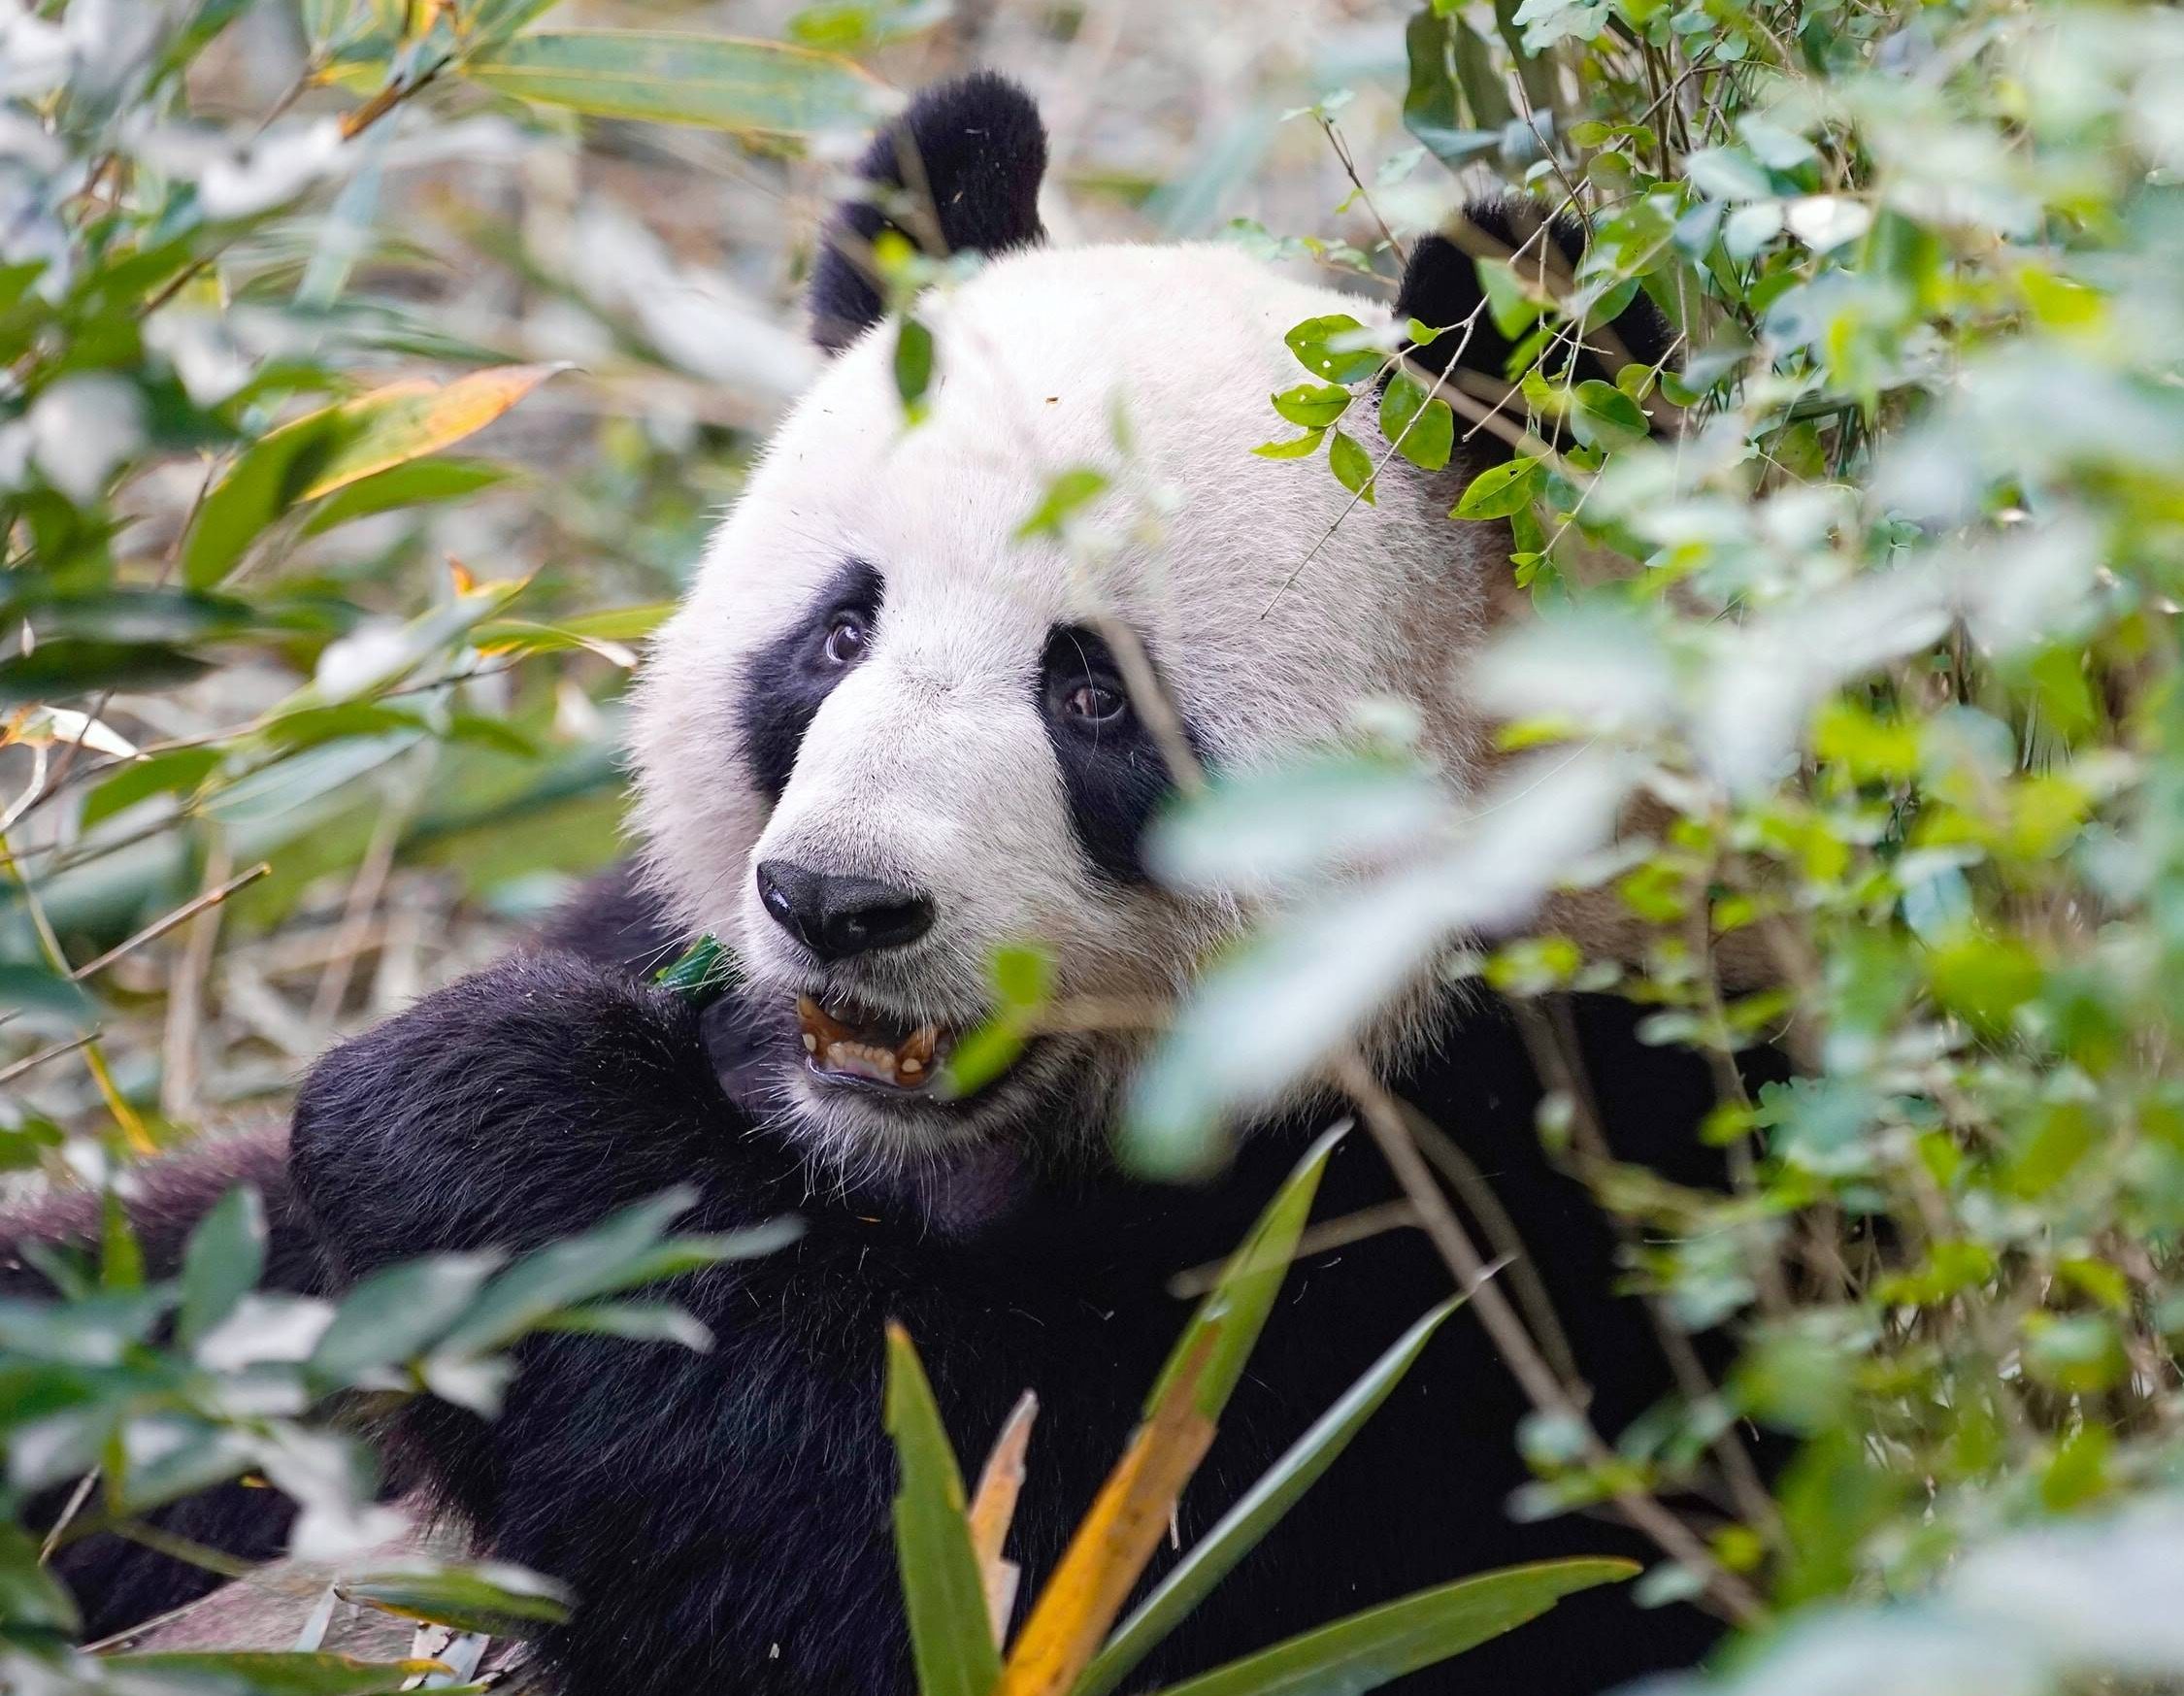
(883, 735)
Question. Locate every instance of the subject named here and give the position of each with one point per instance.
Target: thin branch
(1723, 1589)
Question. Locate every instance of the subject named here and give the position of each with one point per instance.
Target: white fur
(928, 763)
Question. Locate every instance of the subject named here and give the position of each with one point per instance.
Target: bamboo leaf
(1261, 1507)
(337, 446)
(951, 1642)
(993, 1510)
(1367, 1650)
(407, 420)
(269, 1674)
(504, 1600)
(1234, 1310)
(752, 88)
(1117, 1537)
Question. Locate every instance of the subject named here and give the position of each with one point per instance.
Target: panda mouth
(845, 1043)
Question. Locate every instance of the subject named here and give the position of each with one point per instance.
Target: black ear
(957, 172)
(1440, 288)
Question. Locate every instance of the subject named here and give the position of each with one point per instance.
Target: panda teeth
(833, 1045)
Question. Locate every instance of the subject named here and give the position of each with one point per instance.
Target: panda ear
(1442, 290)
(957, 172)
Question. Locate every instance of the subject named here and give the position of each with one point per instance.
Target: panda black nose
(835, 918)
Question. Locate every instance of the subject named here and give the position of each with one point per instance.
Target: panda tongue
(866, 1050)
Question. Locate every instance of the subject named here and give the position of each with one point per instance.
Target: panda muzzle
(851, 1041)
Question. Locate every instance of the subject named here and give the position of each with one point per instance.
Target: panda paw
(507, 1109)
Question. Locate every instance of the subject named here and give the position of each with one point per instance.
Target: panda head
(888, 734)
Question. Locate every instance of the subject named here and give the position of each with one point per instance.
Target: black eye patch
(1111, 767)
(791, 674)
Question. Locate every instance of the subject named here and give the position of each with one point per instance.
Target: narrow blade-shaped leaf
(1261, 1507)
(1236, 1310)
(752, 88)
(951, 1642)
(402, 421)
(337, 446)
(1116, 1539)
(504, 1600)
(993, 1510)
(1367, 1650)
(266, 1674)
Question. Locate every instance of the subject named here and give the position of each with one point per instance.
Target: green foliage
(946, 1575)
(1871, 591)
(243, 657)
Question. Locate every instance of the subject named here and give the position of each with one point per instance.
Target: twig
(159, 927)
(1383, 1117)
(8, 1074)
(185, 995)
(75, 1506)
(1341, 1233)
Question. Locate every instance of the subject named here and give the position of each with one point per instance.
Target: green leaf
(1422, 428)
(1236, 1310)
(1602, 415)
(1065, 492)
(503, 1600)
(752, 87)
(951, 1641)
(68, 670)
(229, 1673)
(1328, 348)
(1023, 977)
(31, 1598)
(981, 1055)
(397, 1313)
(160, 773)
(1312, 405)
(340, 444)
(39, 990)
(1352, 466)
(1501, 490)
(621, 1252)
(1430, 103)
(1480, 79)
(912, 366)
(1277, 822)
(632, 1322)
(1303, 448)
(222, 1260)
(420, 483)
(495, 20)
(1214, 1555)
(705, 972)
(1367, 1650)
(1510, 303)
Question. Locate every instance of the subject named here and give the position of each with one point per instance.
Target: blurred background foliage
(373, 371)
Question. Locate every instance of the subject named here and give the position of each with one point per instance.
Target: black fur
(724, 1517)
(958, 171)
(1114, 773)
(1440, 288)
(791, 676)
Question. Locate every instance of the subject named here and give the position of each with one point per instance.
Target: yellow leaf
(1114, 1540)
(407, 420)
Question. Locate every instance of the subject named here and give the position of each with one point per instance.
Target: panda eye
(1095, 704)
(845, 640)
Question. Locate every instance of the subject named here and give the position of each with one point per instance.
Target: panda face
(888, 735)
